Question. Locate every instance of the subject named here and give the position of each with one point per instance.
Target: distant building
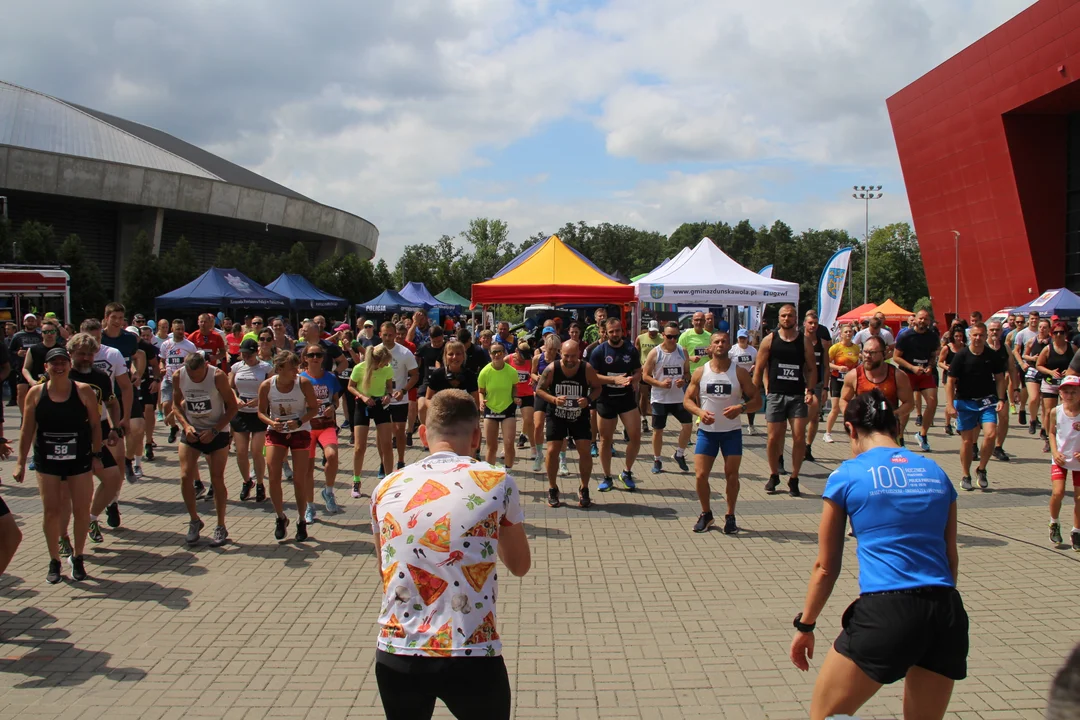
(106, 179)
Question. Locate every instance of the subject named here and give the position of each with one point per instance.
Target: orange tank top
(887, 386)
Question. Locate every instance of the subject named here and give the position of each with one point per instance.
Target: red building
(989, 144)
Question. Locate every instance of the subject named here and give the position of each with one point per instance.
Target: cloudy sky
(421, 114)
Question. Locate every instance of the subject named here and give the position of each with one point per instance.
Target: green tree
(491, 248)
(923, 303)
(178, 265)
(417, 263)
(248, 259)
(383, 279)
(346, 276)
(145, 276)
(896, 269)
(88, 296)
(35, 244)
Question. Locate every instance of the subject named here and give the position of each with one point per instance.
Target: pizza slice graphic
(437, 536)
(485, 633)
(478, 574)
(431, 587)
(392, 628)
(439, 644)
(487, 479)
(389, 528)
(388, 575)
(488, 527)
(384, 487)
(430, 491)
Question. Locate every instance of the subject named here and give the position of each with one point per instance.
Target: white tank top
(203, 403)
(718, 391)
(285, 406)
(1068, 437)
(669, 366)
(247, 379)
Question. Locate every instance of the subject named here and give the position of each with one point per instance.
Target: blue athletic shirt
(899, 504)
(609, 360)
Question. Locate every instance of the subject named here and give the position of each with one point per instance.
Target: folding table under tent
(303, 295)
(220, 288)
(387, 301)
(1053, 302)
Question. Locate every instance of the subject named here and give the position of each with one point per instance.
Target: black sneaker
(583, 499)
(644, 426)
(774, 482)
(301, 531)
(1076, 541)
(94, 533)
(260, 493)
(408, 439)
(965, 483)
(65, 547)
(793, 486)
(522, 441)
(200, 489)
(730, 528)
(400, 465)
(280, 524)
(809, 457)
(1031, 428)
(129, 472)
(149, 454)
(78, 570)
(173, 432)
(209, 493)
(1022, 417)
(1000, 454)
(918, 421)
(1055, 533)
(704, 522)
(553, 497)
(680, 460)
(780, 465)
(54, 575)
(949, 429)
(245, 490)
(112, 515)
(975, 453)
(980, 476)
(626, 435)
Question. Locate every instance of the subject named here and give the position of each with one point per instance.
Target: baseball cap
(368, 323)
(138, 317)
(654, 326)
(742, 333)
(342, 327)
(132, 329)
(548, 331)
(249, 345)
(1071, 380)
(50, 316)
(57, 352)
(27, 316)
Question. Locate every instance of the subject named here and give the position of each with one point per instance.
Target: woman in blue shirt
(909, 621)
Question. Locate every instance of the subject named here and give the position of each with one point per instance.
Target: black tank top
(571, 387)
(786, 363)
(63, 429)
(821, 353)
(1058, 361)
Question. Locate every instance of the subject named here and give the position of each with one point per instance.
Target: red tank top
(887, 386)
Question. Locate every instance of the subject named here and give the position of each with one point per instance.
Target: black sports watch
(803, 627)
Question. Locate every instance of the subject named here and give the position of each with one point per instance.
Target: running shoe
(330, 502)
(793, 486)
(704, 522)
(625, 435)
(1046, 446)
(280, 524)
(751, 430)
(194, 526)
(594, 450)
(981, 477)
(78, 569)
(129, 472)
(780, 465)
(65, 547)
(112, 515)
(809, 457)
(209, 493)
(200, 489)
(553, 497)
(644, 425)
(563, 469)
(356, 490)
(1022, 417)
(614, 452)
(918, 420)
(400, 465)
(173, 432)
(657, 467)
(1031, 428)
(94, 533)
(138, 470)
(260, 493)
(149, 454)
(54, 575)
(1000, 454)
(730, 528)
(975, 453)
(522, 441)
(309, 515)
(583, 499)
(32, 466)
(1075, 540)
(160, 416)
(301, 531)
(924, 442)
(381, 474)
(245, 490)
(965, 483)
(408, 439)
(1055, 533)
(827, 437)
(772, 484)
(627, 478)
(606, 484)
(680, 460)
(948, 429)
(220, 537)
(537, 462)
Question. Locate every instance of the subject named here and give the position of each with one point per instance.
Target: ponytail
(871, 412)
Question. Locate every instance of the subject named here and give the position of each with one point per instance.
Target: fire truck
(34, 288)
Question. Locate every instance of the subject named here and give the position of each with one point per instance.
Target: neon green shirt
(646, 344)
(251, 335)
(697, 347)
(378, 379)
(498, 386)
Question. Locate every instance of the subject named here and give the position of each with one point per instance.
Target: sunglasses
(48, 332)
(1058, 332)
(672, 337)
(313, 355)
(256, 324)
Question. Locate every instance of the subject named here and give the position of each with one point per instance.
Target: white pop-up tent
(705, 275)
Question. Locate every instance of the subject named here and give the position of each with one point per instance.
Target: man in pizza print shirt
(438, 526)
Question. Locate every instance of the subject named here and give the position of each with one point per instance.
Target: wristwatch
(803, 627)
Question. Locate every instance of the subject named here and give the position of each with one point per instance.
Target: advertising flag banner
(831, 287)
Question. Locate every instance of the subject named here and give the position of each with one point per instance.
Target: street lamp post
(866, 193)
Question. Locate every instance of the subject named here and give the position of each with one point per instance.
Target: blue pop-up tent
(303, 295)
(1053, 302)
(219, 288)
(417, 292)
(388, 301)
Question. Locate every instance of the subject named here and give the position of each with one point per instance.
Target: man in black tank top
(821, 363)
(567, 386)
(995, 343)
(786, 370)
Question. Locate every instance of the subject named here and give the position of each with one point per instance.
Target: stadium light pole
(866, 193)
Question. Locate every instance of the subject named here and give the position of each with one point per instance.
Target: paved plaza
(625, 614)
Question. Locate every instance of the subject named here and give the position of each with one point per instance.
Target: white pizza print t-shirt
(439, 523)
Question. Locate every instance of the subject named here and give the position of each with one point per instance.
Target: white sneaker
(828, 438)
(563, 470)
(537, 463)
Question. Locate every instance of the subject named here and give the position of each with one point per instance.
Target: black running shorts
(558, 429)
(610, 408)
(244, 422)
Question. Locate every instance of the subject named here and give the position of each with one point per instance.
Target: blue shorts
(710, 443)
(971, 414)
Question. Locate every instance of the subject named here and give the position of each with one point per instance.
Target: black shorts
(106, 456)
(421, 391)
(836, 385)
(540, 405)
(64, 469)
(886, 634)
(363, 415)
(399, 413)
(148, 399)
(528, 401)
(220, 441)
(660, 412)
(558, 429)
(610, 408)
(244, 422)
(505, 414)
(4, 509)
